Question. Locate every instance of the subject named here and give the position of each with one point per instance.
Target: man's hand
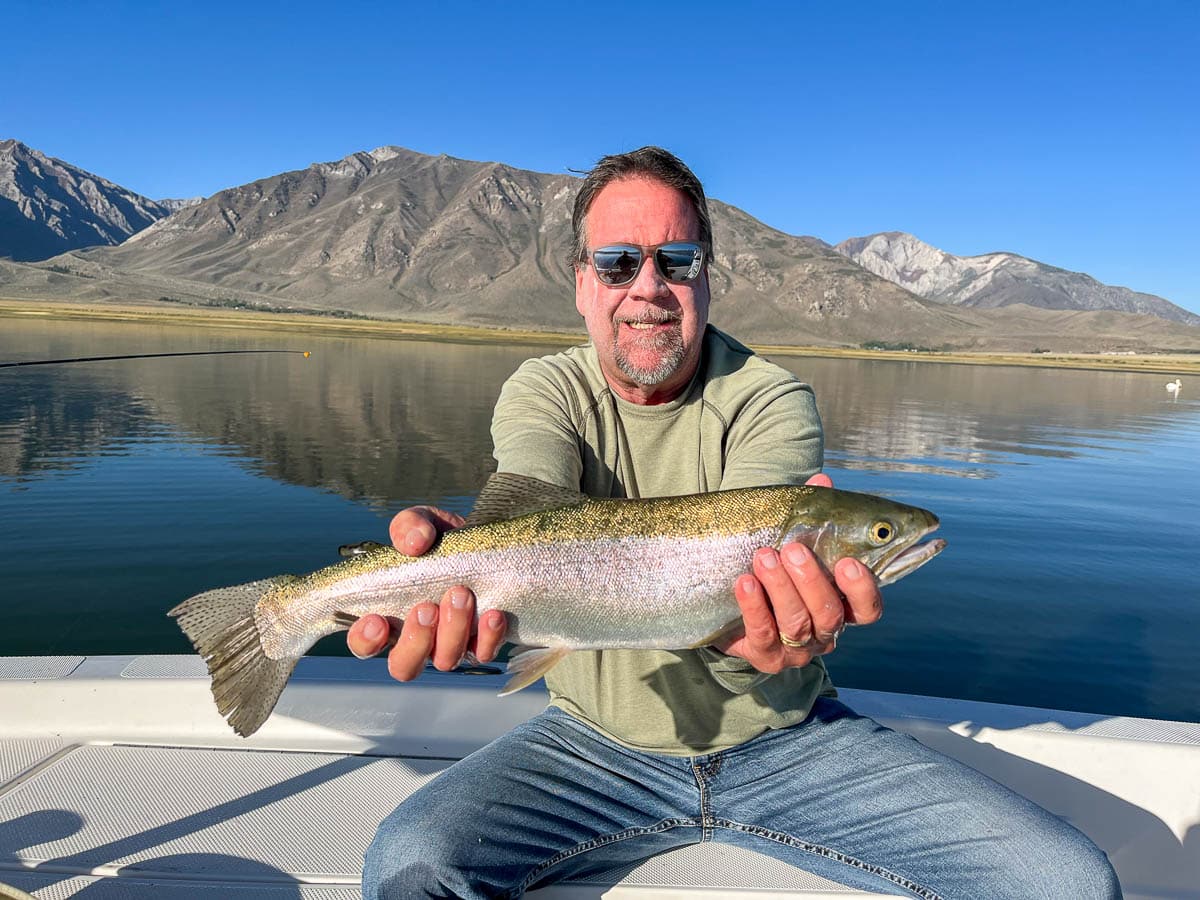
(790, 595)
(442, 632)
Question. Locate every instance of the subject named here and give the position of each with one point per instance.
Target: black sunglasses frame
(641, 254)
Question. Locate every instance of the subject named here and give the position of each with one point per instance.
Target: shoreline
(208, 317)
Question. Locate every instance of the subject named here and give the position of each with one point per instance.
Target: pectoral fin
(530, 665)
(733, 629)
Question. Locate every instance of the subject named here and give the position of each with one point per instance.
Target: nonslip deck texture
(128, 821)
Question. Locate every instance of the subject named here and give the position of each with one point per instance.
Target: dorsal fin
(506, 496)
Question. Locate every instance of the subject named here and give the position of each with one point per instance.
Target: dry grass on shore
(199, 316)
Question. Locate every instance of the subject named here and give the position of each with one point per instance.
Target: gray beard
(670, 345)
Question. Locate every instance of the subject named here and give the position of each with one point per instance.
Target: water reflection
(47, 428)
(917, 417)
(373, 420)
(386, 421)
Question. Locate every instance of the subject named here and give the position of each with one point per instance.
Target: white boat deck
(118, 779)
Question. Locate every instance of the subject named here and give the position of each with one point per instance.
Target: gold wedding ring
(791, 642)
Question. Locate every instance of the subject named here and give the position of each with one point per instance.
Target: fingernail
(425, 615)
(420, 537)
(459, 597)
(796, 554)
(767, 559)
(374, 630)
(495, 619)
(853, 570)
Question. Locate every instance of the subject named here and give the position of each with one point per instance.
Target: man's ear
(579, 273)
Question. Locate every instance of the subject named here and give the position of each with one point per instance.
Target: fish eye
(882, 532)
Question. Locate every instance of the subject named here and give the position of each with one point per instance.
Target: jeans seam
(702, 772)
(601, 841)
(780, 837)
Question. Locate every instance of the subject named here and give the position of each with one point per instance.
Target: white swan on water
(1174, 386)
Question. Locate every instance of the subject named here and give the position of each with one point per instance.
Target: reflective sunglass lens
(679, 262)
(617, 265)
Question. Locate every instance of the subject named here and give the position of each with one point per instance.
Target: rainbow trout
(571, 572)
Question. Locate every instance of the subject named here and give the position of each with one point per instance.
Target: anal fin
(530, 665)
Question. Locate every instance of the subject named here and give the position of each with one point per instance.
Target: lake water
(1070, 499)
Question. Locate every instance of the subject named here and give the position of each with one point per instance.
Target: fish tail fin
(246, 683)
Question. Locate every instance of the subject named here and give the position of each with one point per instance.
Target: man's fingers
(760, 645)
(493, 625)
(821, 599)
(407, 658)
(368, 636)
(864, 604)
(414, 530)
(455, 618)
(791, 617)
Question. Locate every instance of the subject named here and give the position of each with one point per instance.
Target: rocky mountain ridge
(396, 234)
(995, 279)
(48, 206)
(391, 233)
(174, 205)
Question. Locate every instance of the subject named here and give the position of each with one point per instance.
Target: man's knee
(1071, 866)
(407, 860)
(412, 880)
(1091, 874)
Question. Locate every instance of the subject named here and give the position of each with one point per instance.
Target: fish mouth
(910, 558)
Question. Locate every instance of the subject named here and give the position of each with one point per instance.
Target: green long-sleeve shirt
(742, 422)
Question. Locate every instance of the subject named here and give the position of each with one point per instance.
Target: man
(641, 751)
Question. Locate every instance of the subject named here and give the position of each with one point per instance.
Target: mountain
(172, 205)
(48, 206)
(995, 279)
(396, 234)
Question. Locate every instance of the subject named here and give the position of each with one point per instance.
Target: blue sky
(1067, 132)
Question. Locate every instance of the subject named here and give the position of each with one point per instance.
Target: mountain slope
(395, 234)
(995, 279)
(48, 206)
(398, 234)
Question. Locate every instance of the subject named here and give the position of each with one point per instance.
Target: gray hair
(648, 162)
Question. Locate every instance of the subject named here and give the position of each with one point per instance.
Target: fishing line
(80, 359)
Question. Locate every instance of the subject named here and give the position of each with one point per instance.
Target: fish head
(882, 534)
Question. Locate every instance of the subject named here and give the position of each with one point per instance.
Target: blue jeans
(838, 795)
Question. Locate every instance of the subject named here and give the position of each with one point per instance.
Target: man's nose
(649, 283)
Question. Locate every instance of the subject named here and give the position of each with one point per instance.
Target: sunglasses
(619, 264)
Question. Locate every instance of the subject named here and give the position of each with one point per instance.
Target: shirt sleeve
(532, 429)
(775, 439)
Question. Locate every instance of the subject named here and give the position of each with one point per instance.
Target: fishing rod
(81, 359)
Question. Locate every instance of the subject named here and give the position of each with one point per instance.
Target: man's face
(648, 333)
